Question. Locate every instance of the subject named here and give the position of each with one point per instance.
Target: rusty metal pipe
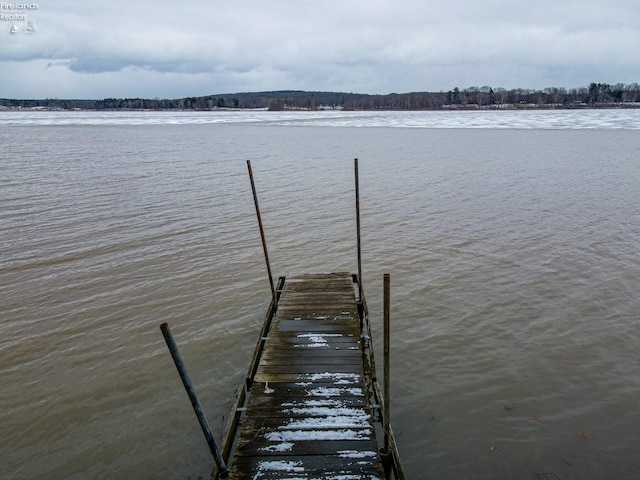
(387, 359)
(355, 162)
(223, 471)
(264, 241)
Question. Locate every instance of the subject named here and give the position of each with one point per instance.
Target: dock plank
(308, 415)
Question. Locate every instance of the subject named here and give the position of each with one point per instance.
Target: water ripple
(513, 255)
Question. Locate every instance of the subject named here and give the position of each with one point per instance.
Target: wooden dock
(310, 406)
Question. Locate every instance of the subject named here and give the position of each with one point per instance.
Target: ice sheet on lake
(605, 119)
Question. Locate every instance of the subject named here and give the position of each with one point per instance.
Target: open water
(512, 241)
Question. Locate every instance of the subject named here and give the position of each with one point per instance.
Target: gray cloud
(170, 49)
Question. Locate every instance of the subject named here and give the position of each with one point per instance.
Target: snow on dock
(308, 411)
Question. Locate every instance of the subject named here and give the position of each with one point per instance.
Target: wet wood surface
(309, 414)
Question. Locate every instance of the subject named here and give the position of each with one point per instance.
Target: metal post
(355, 162)
(387, 301)
(223, 471)
(264, 241)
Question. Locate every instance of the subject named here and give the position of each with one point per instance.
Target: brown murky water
(513, 255)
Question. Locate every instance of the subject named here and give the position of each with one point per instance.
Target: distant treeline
(595, 95)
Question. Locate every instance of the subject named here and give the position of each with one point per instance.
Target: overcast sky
(171, 49)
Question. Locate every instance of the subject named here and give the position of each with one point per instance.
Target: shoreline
(444, 108)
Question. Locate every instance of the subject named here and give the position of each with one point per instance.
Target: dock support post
(355, 162)
(387, 390)
(386, 453)
(264, 241)
(223, 471)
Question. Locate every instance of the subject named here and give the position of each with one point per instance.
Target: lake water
(512, 241)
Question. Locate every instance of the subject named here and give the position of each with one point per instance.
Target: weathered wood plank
(315, 390)
(308, 428)
(308, 466)
(302, 337)
(311, 375)
(348, 327)
(281, 352)
(344, 462)
(326, 361)
(306, 372)
(313, 346)
(282, 377)
(298, 396)
(292, 410)
(325, 293)
(336, 447)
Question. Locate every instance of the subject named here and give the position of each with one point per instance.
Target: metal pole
(264, 241)
(355, 162)
(387, 301)
(223, 471)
